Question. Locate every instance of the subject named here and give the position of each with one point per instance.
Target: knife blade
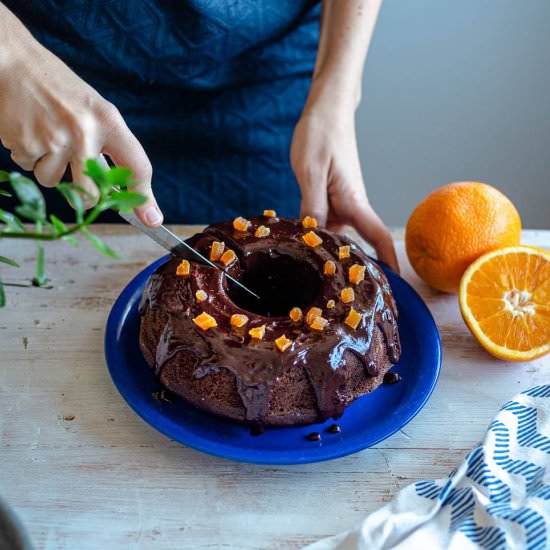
(171, 242)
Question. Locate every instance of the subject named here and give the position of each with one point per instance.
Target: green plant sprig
(113, 186)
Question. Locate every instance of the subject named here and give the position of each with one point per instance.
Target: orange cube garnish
(201, 295)
(296, 314)
(257, 332)
(262, 231)
(344, 252)
(331, 304)
(238, 320)
(205, 321)
(356, 273)
(312, 239)
(329, 268)
(241, 224)
(312, 313)
(353, 319)
(309, 223)
(319, 323)
(228, 257)
(183, 269)
(270, 213)
(283, 343)
(216, 250)
(347, 295)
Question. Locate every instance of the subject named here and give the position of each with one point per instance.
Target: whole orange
(453, 226)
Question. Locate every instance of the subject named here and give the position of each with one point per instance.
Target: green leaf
(71, 240)
(9, 261)
(94, 170)
(2, 295)
(99, 244)
(40, 277)
(4, 193)
(60, 227)
(73, 198)
(13, 223)
(27, 212)
(119, 176)
(29, 195)
(4, 176)
(127, 200)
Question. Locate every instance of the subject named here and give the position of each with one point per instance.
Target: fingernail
(153, 216)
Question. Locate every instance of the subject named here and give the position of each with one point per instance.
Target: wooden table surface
(83, 471)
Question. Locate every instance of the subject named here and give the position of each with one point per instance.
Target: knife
(171, 242)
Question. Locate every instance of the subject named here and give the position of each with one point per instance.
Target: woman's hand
(50, 119)
(325, 159)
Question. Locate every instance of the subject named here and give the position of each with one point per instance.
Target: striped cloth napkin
(498, 498)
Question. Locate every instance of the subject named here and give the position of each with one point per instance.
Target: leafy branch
(113, 192)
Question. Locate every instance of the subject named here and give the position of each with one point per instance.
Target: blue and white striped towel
(498, 498)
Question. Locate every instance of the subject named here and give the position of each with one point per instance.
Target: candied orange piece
(241, 224)
(262, 231)
(183, 269)
(356, 273)
(312, 239)
(238, 320)
(283, 343)
(329, 268)
(257, 332)
(216, 250)
(270, 213)
(331, 304)
(312, 313)
(296, 314)
(347, 295)
(344, 252)
(319, 323)
(353, 319)
(201, 295)
(228, 257)
(309, 222)
(205, 321)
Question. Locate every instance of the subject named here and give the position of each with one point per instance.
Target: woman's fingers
(314, 194)
(50, 168)
(369, 225)
(90, 191)
(125, 150)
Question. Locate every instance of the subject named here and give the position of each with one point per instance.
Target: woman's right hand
(51, 119)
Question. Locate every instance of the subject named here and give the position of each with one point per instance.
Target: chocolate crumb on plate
(313, 436)
(391, 378)
(334, 429)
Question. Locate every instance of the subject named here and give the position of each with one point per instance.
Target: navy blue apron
(211, 88)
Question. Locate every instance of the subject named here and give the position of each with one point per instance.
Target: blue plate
(367, 421)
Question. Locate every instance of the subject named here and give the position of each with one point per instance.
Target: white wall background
(458, 90)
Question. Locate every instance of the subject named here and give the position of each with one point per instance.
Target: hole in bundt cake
(282, 282)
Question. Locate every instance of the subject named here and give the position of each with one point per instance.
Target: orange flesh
(353, 319)
(262, 231)
(201, 295)
(282, 343)
(344, 252)
(216, 250)
(228, 257)
(183, 269)
(309, 223)
(347, 295)
(331, 304)
(312, 239)
(205, 321)
(329, 268)
(296, 314)
(356, 273)
(312, 313)
(522, 279)
(257, 332)
(241, 224)
(270, 213)
(238, 320)
(319, 323)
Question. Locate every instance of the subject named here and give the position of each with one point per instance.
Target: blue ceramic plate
(367, 421)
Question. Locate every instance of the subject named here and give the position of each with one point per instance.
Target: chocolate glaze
(257, 364)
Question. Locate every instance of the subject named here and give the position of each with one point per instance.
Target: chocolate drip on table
(256, 363)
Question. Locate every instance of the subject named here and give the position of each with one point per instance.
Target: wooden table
(83, 471)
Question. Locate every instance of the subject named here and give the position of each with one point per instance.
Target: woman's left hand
(325, 160)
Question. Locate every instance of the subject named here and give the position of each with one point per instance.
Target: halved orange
(504, 299)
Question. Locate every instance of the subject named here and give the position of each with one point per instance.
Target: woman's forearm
(346, 31)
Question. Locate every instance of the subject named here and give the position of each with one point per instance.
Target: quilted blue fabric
(498, 498)
(211, 88)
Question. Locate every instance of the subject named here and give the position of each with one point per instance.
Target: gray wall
(458, 90)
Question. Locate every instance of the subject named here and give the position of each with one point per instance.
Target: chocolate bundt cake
(323, 333)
